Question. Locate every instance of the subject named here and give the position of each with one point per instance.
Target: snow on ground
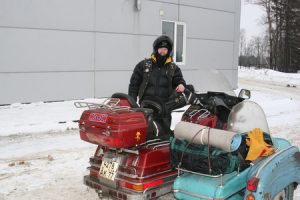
(42, 156)
(44, 166)
(39, 117)
(280, 102)
(277, 78)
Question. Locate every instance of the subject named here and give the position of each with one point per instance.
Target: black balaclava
(161, 59)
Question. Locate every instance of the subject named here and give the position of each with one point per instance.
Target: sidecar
(272, 177)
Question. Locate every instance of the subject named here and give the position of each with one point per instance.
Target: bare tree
(242, 42)
(283, 25)
(267, 5)
(256, 42)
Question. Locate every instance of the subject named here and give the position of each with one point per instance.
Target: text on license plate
(109, 169)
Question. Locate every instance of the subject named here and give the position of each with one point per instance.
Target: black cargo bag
(201, 158)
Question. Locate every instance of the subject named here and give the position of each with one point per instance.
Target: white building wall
(71, 49)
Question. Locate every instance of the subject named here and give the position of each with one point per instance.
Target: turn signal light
(250, 197)
(252, 184)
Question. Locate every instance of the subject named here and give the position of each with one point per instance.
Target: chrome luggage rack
(154, 144)
(180, 171)
(109, 103)
(203, 115)
(192, 172)
(221, 176)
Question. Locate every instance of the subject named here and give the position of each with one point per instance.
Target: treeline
(279, 48)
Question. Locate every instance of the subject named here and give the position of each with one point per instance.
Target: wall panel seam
(81, 31)
(211, 39)
(97, 70)
(63, 71)
(205, 8)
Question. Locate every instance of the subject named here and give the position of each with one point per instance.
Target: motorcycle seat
(131, 101)
(146, 111)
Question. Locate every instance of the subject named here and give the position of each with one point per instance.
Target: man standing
(157, 78)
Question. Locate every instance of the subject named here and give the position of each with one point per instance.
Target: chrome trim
(270, 159)
(143, 177)
(106, 133)
(136, 151)
(88, 105)
(185, 99)
(129, 151)
(156, 143)
(135, 161)
(155, 147)
(149, 141)
(190, 96)
(192, 194)
(204, 114)
(139, 183)
(193, 113)
(118, 108)
(128, 175)
(131, 175)
(99, 153)
(112, 148)
(222, 184)
(206, 197)
(111, 101)
(130, 168)
(158, 186)
(212, 176)
(134, 175)
(132, 194)
(106, 104)
(156, 128)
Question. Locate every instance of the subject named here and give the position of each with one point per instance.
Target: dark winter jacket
(158, 83)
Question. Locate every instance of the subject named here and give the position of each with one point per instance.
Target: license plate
(109, 169)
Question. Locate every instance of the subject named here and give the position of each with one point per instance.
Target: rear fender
(276, 172)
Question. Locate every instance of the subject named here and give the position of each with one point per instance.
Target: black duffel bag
(202, 158)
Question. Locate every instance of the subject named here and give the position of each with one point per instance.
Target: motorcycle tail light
(252, 184)
(93, 173)
(153, 184)
(141, 187)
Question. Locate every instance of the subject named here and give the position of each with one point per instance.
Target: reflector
(252, 184)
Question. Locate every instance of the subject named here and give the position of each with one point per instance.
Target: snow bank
(292, 79)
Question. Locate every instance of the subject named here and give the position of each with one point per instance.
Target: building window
(176, 31)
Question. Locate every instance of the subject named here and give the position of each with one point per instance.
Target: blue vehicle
(273, 177)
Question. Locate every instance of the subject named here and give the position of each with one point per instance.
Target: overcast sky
(251, 17)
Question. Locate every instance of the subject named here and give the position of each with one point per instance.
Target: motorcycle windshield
(208, 80)
(246, 116)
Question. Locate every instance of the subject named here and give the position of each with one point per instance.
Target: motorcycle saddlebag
(112, 127)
